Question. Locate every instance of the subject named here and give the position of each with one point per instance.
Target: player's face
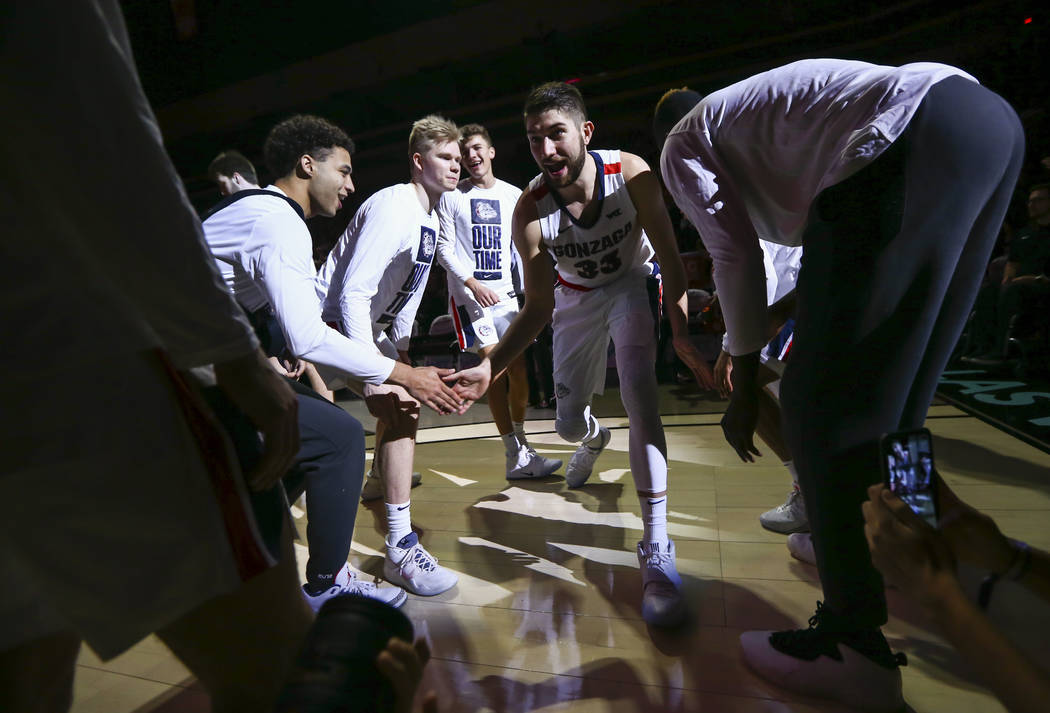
(330, 182)
(477, 156)
(559, 144)
(440, 167)
(226, 185)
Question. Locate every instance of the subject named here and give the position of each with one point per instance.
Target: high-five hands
(471, 384)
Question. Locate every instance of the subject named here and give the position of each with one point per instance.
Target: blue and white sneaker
(662, 603)
(410, 566)
(346, 582)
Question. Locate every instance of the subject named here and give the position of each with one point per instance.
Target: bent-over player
(895, 181)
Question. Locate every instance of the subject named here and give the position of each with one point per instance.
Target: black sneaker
(830, 660)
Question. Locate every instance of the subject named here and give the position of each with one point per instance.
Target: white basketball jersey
(589, 256)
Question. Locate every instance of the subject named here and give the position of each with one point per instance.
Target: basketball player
(895, 181)
(231, 171)
(592, 211)
(373, 281)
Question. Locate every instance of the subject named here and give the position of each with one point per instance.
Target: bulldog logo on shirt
(427, 243)
(484, 210)
(486, 235)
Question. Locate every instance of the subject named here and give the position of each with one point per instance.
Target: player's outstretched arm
(652, 214)
(539, 304)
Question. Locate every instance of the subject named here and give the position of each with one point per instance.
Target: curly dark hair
(556, 95)
(298, 136)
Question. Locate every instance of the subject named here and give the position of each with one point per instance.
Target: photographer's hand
(907, 551)
(973, 536)
(402, 663)
(917, 558)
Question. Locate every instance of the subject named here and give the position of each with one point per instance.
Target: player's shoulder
(626, 163)
(508, 188)
(536, 190)
(526, 207)
(259, 203)
(267, 211)
(390, 201)
(450, 201)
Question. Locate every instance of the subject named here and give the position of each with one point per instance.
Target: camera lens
(336, 671)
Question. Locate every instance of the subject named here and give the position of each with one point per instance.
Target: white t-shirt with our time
(475, 237)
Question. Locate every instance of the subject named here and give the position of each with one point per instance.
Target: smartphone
(906, 458)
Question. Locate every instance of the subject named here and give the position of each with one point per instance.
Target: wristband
(1019, 566)
(1022, 561)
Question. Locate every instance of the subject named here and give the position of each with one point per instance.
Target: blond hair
(429, 131)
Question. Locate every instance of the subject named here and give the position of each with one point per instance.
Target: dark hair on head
(558, 96)
(475, 130)
(298, 136)
(670, 109)
(1039, 187)
(230, 162)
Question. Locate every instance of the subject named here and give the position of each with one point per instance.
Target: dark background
(220, 74)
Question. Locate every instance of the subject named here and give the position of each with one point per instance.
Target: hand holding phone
(906, 460)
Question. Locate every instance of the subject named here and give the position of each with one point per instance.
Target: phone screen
(907, 470)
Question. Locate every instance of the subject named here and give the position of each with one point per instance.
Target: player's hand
(294, 368)
(472, 383)
(278, 366)
(906, 550)
(690, 355)
(485, 297)
(402, 664)
(723, 374)
(269, 403)
(739, 421)
(973, 536)
(427, 385)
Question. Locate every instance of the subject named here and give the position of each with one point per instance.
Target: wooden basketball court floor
(546, 613)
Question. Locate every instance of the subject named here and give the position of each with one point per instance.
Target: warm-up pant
(330, 465)
(893, 258)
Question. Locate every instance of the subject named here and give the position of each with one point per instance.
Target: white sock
(511, 443)
(654, 518)
(794, 473)
(398, 521)
(519, 431)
